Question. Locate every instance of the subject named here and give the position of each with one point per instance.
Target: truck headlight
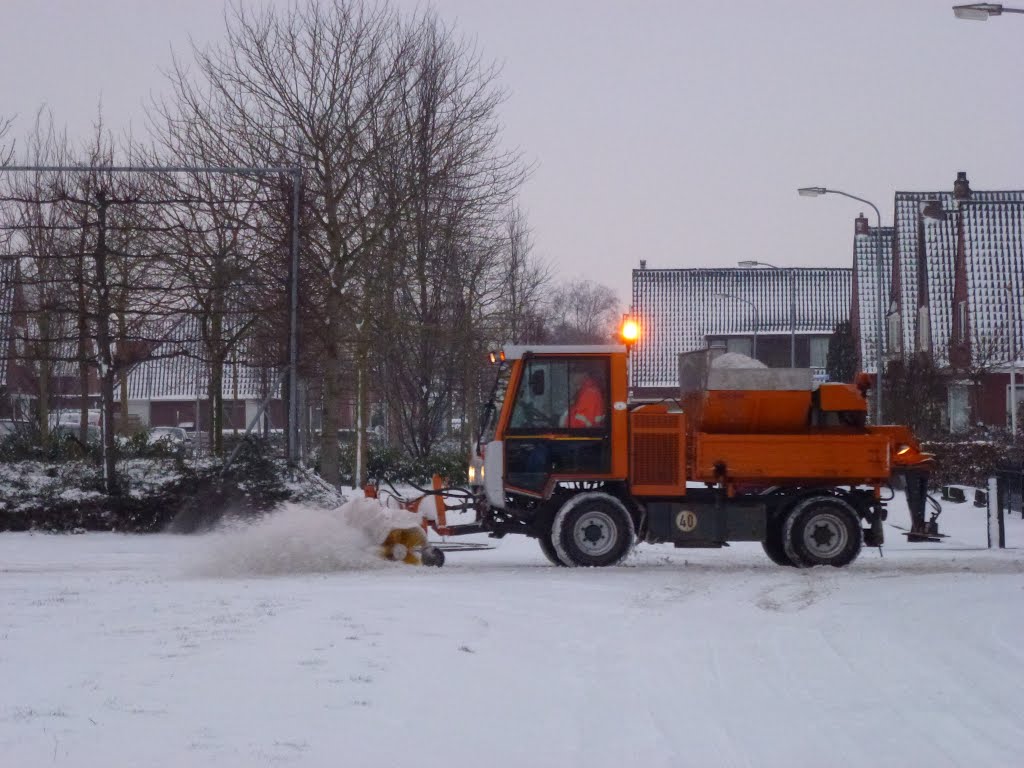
(475, 474)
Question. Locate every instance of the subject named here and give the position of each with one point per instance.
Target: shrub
(973, 459)
(388, 464)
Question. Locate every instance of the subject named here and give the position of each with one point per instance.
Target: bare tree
(584, 312)
(218, 257)
(313, 84)
(6, 150)
(523, 287)
(43, 247)
(447, 242)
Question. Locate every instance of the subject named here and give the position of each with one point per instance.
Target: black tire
(593, 530)
(772, 543)
(549, 550)
(432, 556)
(822, 530)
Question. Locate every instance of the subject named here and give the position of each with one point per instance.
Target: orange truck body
(743, 454)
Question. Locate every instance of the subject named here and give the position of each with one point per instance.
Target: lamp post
(753, 307)
(792, 305)
(982, 11)
(879, 320)
(1013, 361)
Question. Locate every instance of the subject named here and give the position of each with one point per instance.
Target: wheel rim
(825, 535)
(594, 533)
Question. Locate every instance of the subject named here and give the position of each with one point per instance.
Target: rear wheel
(772, 543)
(822, 530)
(592, 529)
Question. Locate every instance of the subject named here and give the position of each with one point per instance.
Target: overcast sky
(673, 131)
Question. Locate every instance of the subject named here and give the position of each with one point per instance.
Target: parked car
(68, 431)
(10, 427)
(172, 438)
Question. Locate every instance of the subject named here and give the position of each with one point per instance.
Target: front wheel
(822, 530)
(548, 548)
(592, 529)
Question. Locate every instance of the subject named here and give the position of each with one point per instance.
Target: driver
(588, 406)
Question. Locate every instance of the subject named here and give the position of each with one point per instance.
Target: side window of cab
(562, 394)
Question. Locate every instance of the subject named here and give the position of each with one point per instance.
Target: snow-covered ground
(286, 644)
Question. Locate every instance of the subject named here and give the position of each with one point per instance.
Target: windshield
(491, 409)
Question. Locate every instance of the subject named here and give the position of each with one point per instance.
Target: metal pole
(293, 335)
(757, 325)
(792, 318)
(879, 320)
(1013, 364)
(227, 169)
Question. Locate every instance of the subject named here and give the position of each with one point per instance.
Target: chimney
(860, 225)
(961, 187)
(643, 263)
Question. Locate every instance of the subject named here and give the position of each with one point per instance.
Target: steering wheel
(535, 417)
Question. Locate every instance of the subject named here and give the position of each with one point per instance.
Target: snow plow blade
(398, 533)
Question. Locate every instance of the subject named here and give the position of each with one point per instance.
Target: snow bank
(736, 360)
(294, 539)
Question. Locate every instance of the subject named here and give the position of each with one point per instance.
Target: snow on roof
(932, 269)
(940, 241)
(8, 270)
(866, 281)
(517, 351)
(678, 309)
(993, 237)
(906, 220)
(179, 370)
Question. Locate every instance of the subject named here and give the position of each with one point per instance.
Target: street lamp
(981, 11)
(792, 305)
(1013, 360)
(753, 306)
(880, 346)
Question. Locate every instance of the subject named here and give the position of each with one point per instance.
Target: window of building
(740, 346)
(819, 351)
(895, 335)
(961, 320)
(924, 330)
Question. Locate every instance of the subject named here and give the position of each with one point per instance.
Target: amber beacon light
(630, 331)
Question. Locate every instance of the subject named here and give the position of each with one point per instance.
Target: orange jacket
(588, 409)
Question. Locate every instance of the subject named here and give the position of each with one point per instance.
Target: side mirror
(537, 382)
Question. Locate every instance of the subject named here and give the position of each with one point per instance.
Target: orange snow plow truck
(743, 453)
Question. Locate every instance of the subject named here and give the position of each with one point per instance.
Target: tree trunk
(359, 476)
(329, 453)
(44, 398)
(217, 407)
(105, 356)
(83, 352)
(44, 378)
(122, 331)
(470, 407)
